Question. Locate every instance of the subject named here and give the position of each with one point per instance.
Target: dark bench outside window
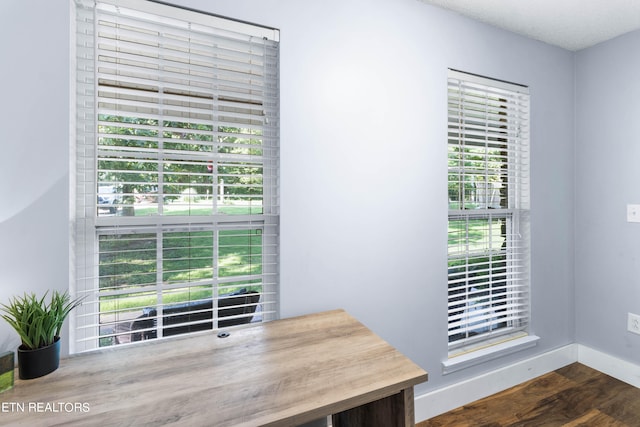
(233, 309)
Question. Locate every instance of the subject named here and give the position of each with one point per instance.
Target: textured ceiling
(570, 24)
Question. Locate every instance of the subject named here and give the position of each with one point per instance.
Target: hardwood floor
(571, 396)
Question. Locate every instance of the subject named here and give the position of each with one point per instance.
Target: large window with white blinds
(488, 227)
(176, 172)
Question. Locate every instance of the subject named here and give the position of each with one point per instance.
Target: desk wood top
(284, 372)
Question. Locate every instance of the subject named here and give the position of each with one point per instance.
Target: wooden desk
(280, 373)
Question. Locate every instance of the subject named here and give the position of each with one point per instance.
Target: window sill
(484, 354)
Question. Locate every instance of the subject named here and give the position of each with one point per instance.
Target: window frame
(499, 265)
(91, 224)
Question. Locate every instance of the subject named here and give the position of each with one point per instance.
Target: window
(488, 227)
(177, 160)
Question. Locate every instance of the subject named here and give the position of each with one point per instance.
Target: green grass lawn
(476, 235)
(6, 371)
(6, 381)
(199, 209)
(131, 262)
(110, 304)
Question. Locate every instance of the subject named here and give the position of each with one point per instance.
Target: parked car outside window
(108, 198)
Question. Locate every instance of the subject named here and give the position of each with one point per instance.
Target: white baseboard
(617, 368)
(439, 401)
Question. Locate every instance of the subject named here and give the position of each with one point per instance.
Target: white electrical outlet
(633, 213)
(633, 323)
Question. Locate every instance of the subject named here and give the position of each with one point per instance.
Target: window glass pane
(478, 176)
(187, 257)
(478, 296)
(127, 165)
(188, 181)
(240, 170)
(180, 173)
(240, 253)
(473, 236)
(127, 282)
(129, 264)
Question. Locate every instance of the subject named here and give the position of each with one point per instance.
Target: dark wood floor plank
(505, 407)
(577, 372)
(624, 406)
(595, 418)
(575, 395)
(572, 403)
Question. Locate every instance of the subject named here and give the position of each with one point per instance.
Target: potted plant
(38, 323)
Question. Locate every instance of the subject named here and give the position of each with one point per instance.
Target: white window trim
(502, 346)
(486, 346)
(86, 223)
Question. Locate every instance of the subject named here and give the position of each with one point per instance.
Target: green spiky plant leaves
(38, 321)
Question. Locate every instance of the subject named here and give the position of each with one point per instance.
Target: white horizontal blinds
(184, 201)
(488, 188)
(181, 115)
(83, 215)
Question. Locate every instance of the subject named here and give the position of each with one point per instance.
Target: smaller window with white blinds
(488, 227)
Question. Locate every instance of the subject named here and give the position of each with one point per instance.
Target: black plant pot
(39, 362)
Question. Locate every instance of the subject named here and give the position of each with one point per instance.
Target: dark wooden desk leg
(393, 411)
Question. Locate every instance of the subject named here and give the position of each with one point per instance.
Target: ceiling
(570, 24)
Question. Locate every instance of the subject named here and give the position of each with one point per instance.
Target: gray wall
(363, 149)
(34, 150)
(608, 175)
